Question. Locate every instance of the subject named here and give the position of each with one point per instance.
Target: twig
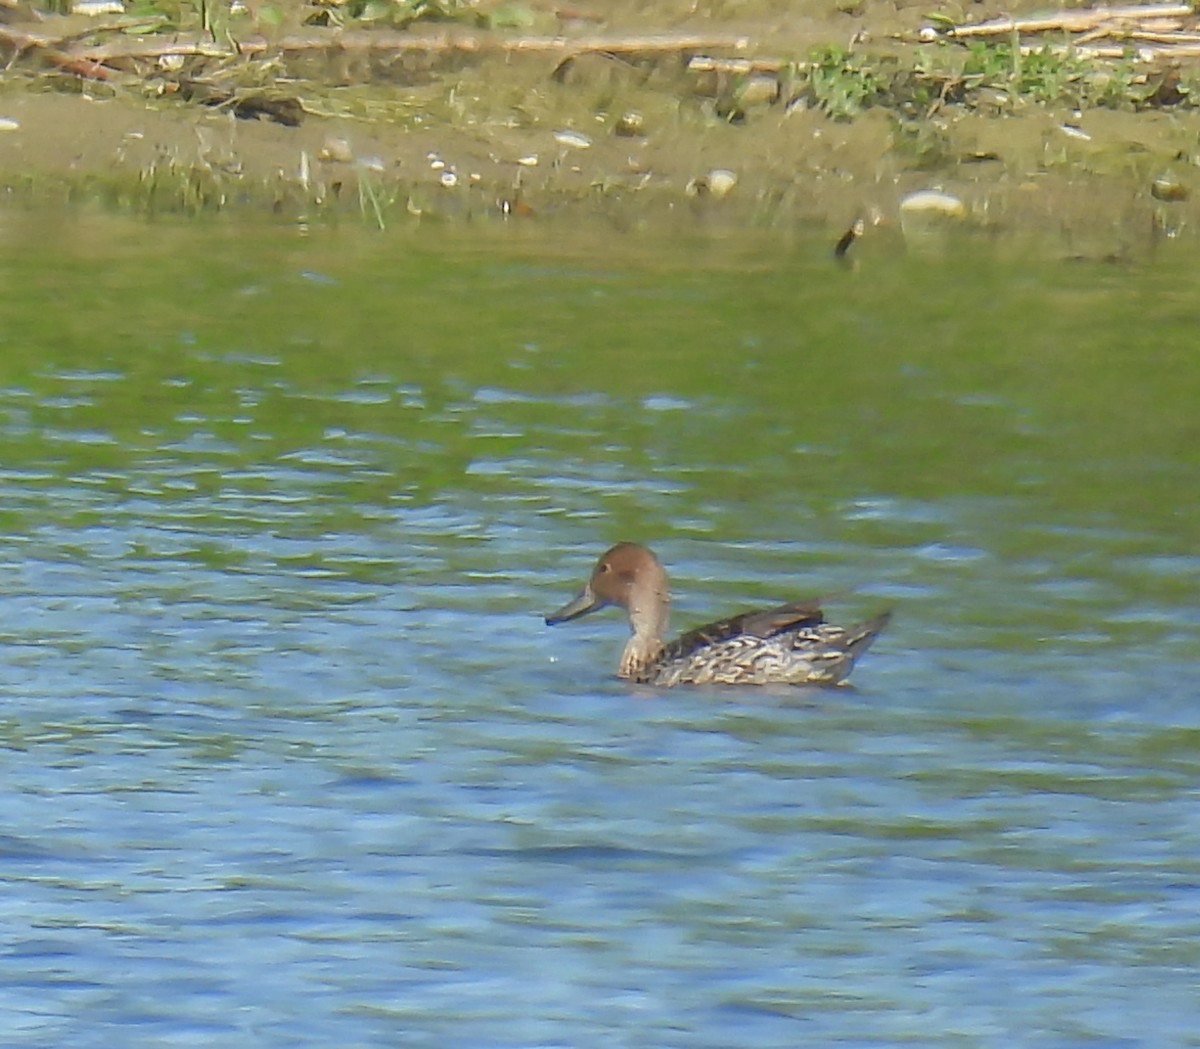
(1107, 32)
(1071, 21)
(47, 47)
(1148, 53)
(734, 66)
(450, 42)
(1164, 38)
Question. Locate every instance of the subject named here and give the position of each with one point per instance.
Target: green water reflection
(736, 389)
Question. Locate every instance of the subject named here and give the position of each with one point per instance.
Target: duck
(788, 644)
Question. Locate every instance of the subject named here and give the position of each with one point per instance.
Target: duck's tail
(859, 637)
(845, 650)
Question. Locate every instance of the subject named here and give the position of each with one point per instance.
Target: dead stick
(1149, 53)
(45, 47)
(1072, 21)
(1164, 38)
(432, 43)
(1106, 32)
(735, 66)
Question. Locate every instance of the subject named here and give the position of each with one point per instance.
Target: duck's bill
(580, 605)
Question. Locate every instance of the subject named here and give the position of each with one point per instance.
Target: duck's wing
(768, 622)
(762, 623)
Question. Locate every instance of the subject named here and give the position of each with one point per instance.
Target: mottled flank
(791, 644)
(799, 652)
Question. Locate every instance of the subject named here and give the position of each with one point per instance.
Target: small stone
(720, 182)
(573, 139)
(337, 149)
(716, 184)
(1074, 131)
(1169, 189)
(933, 201)
(630, 125)
(757, 90)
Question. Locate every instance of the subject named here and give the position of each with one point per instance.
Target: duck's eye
(605, 567)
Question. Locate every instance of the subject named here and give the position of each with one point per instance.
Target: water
(289, 757)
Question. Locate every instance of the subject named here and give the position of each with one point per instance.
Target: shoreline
(524, 132)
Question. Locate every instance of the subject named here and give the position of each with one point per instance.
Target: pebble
(573, 139)
(1168, 188)
(336, 148)
(630, 125)
(933, 201)
(758, 89)
(717, 183)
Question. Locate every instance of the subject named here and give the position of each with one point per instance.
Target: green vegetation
(989, 75)
(842, 84)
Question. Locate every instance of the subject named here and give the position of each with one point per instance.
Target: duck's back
(791, 644)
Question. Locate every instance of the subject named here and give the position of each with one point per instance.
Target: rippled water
(289, 757)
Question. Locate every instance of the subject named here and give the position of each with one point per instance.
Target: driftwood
(449, 42)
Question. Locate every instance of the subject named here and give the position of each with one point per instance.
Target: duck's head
(628, 575)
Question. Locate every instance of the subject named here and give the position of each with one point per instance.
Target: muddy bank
(718, 118)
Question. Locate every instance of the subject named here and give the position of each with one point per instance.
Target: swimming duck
(790, 644)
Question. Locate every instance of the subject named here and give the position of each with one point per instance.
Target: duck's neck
(648, 621)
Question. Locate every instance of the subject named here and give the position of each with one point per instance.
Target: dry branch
(1076, 21)
(48, 48)
(1145, 54)
(734, 66)
(1163, 38)
(449, 42)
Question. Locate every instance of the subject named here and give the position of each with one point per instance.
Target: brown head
(628, 575)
